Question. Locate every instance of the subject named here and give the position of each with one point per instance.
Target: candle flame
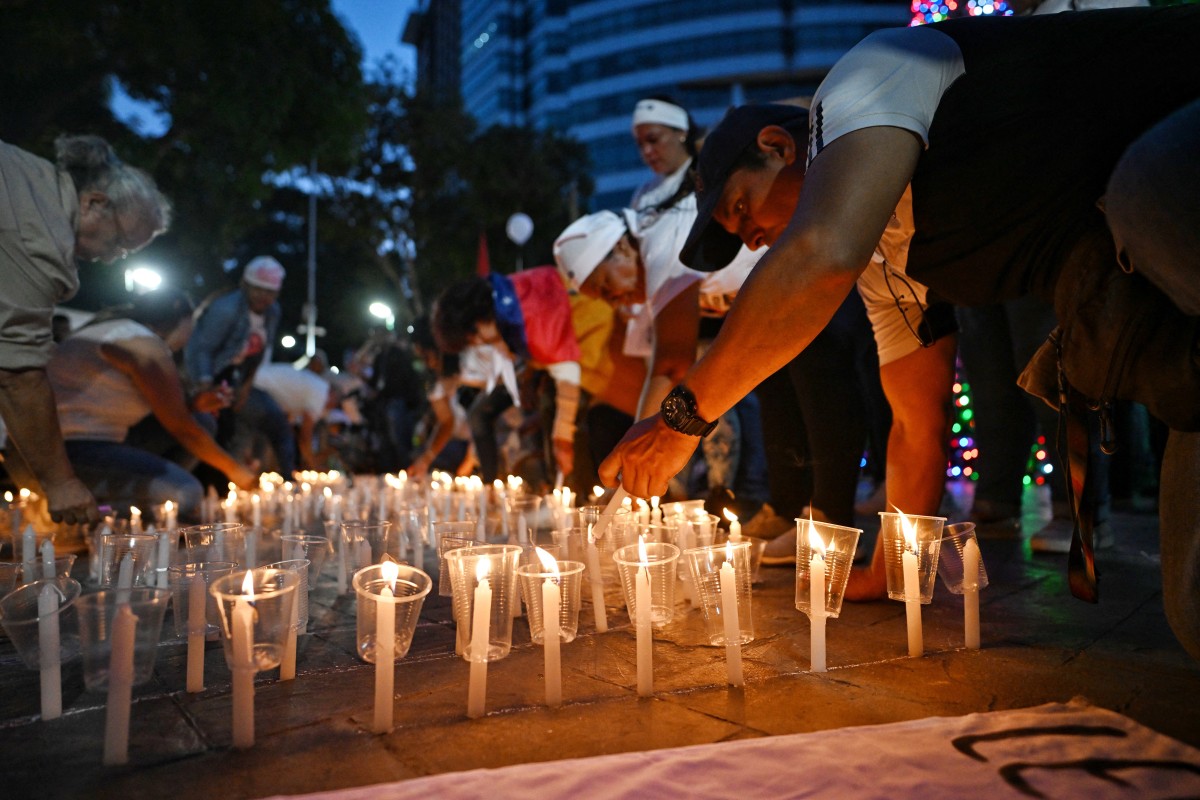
(389, 570)
(597, 491)
(814, 540)
(909, 530)
(482, 568)
(654, 502)
(8, 497)
(25, 494)
(498, 485)
(643, 556)
(728, 550)
(327, 492)
(255, 499)
(549, 562)
(729, 515)
(168, 506)
(134, 511)
(248, 584)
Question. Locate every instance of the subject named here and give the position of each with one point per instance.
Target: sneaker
(781, 551)
(766, 524)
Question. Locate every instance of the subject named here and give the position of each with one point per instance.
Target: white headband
(660, 112)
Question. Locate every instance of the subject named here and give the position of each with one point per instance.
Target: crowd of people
(796, 288)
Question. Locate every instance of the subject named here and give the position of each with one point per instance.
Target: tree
(248, 86)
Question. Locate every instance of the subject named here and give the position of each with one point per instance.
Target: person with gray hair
(89, 206)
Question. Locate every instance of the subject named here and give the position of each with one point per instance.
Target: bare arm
(443, 429)
(148, 364)
(676, 331)
(27, 406)
(849, 194)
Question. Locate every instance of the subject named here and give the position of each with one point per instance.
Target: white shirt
(297, 391)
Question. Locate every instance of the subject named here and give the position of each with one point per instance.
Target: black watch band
(679, 412)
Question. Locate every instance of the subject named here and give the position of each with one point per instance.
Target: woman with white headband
(666, 140)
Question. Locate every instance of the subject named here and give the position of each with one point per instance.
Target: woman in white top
(110, 375)
(666, 140)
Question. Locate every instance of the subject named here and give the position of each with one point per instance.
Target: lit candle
(14, 514)
(551, 601)
(645, 640)
(481, 620)
(29, 554)
(243, 665)
(196, 629)
(729, 613)
(287, 664)
(135, 519)
(170, 514)
(656, 512)
(481, 517)
(48, 570)
(120, 687)
(385, 646)
(816, 600)
(971, 559)
(230, 507)
(597, 581)
(256, 510)
(48, 652)
(912, 588)
(735, 527)
(502, 496)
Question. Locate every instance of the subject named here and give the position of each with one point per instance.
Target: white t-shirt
(893, 78)
(95, 400)
(297, 391)
(660, 237)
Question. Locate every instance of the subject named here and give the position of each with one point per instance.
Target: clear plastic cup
(62, 569)
(705, 565)
(218, 541)
(836, 544)
(376, 534)
(20, 618)
(181, 577)
(950, 559)
(570, 581)
(521, 511)
(138, 547)
(500, 573)
(96, 612)
(412, 520)
(450, 535)
(409, 591)
(10, 572)
(314, 549)
(925, 544)
(571, 543)
(661, 565)
(268, 599)
(300, 567)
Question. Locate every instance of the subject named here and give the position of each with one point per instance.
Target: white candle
(729, 613)
(912, 596)
(971, 558)
(287, 664)
(610, 509)
(481, 620)
(163, 557)
(230, 507)
(135, 519)
(522, 529)
(656, 517)
(251, 542)
(385, 647)
(256, 510)
(735, 527)
(597, 582)
(120, 687)
(645, 641)
(29, 554)
(502, 498)
(170, 514)
(551, 602)
(125, 571)
(48, 570)
(48, 653)
(196, 628)
(243, 666)
(816, 600)
(342, 557)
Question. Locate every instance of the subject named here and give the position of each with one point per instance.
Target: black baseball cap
(709, 246)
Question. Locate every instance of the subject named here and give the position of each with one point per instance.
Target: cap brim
(709, 247)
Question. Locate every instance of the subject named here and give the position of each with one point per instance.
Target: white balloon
(519, 228)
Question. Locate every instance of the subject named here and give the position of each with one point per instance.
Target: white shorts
(895, 304)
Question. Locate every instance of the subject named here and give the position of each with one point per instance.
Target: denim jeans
(120, 476)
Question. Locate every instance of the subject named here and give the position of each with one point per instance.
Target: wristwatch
(679, 412)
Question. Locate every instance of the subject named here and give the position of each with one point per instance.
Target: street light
(142, 279)
(384, 312)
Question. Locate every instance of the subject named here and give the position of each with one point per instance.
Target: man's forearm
(27, 406)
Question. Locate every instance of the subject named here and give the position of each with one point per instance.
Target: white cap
(586, 242)
(265, 273)
(660, 112)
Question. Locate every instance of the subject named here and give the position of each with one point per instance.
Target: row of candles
(454, 498)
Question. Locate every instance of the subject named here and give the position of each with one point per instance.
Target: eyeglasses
(923, 331)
